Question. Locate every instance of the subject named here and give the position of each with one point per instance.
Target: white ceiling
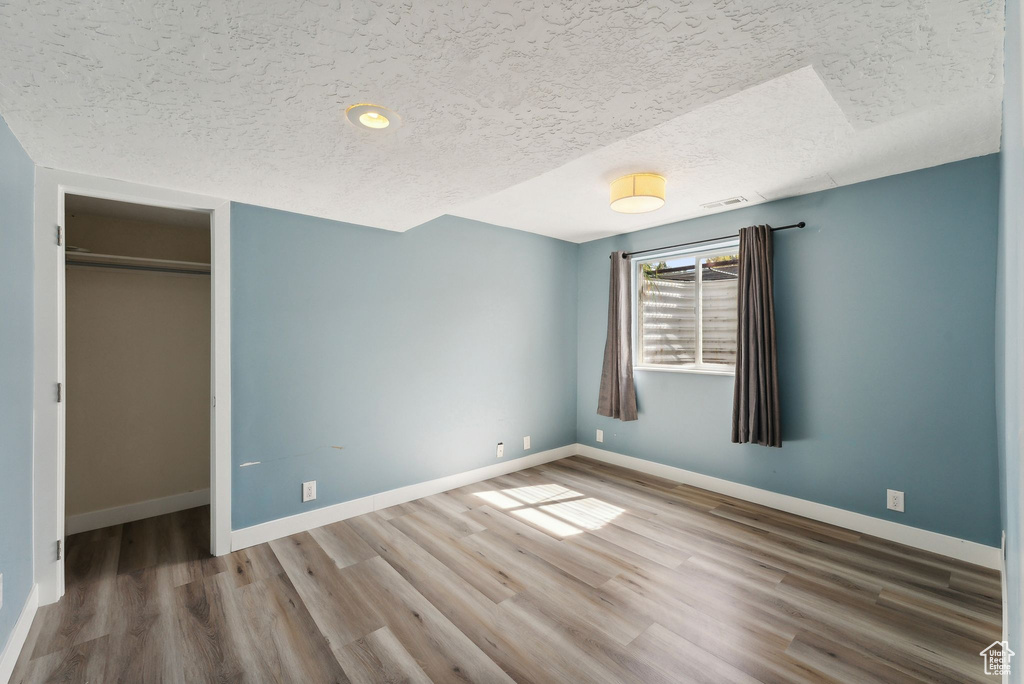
(515, 112)
(781, 138)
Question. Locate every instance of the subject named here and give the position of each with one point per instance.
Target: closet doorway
(137, 323)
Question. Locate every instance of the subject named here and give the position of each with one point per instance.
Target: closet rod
(130, 267)
(699, 242)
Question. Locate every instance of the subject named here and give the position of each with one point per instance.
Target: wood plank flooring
(574, 571)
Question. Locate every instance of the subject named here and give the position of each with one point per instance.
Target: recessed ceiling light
(638, 193)
(371, 116)
(374, 120)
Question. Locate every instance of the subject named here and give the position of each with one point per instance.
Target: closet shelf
(135, 263)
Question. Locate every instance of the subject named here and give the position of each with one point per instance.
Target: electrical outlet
(600, 435)
(308, 491)
(500, 453)
(526, 443)
(894, 500)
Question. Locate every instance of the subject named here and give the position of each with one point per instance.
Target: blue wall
(885, 314)
(17, 177)
(1009, 319)
(417, 352)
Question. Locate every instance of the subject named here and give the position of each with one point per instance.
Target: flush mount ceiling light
(637, 193)
(372, 117)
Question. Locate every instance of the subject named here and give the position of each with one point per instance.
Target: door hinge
(60, 391)
(60, 549)
(60, 236)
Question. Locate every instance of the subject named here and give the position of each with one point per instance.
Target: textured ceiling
(245, 100)
(781, 138)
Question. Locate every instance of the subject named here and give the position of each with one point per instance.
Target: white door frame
(49, 446)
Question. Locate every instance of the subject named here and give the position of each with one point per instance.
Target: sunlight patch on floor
(590, 514)
(549, 523)
(541, 493)
(499, 500)
(556, 509)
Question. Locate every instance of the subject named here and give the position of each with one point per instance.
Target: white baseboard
(961, 549)
(9, 656)
(971, 552)
(136, 511)
(283, 527)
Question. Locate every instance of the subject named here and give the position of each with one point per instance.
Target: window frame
(731, 246)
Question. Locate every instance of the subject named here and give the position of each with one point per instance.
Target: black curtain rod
(699, 242)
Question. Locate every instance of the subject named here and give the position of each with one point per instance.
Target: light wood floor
(573, 571)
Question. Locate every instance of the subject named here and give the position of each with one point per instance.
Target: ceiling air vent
(724, 203)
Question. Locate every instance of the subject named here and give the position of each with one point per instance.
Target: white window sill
(676, 369)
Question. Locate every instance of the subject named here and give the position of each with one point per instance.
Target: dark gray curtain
(618, 396)
(755, 401)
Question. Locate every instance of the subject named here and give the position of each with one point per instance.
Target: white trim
(684, 369)
(283, 527)
(961, 549)
(968, 551)
(48, 463)
(95, 520)
(220, 374)
(696, 252)
(1005, 601)
(16, 642)
(711, 248)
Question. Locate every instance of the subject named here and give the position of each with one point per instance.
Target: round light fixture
(371, 116)
(637, 193)
(374, 120)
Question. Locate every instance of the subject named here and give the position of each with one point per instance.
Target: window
(686, 310)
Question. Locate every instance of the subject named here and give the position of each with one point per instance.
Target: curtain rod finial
(801, 224)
